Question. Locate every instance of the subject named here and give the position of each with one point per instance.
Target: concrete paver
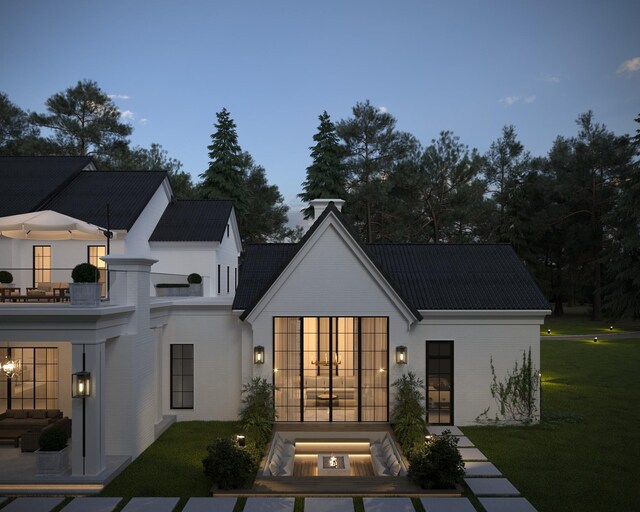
(215, 504)
(437, 430)
(35, 504)
(480, 468)
(465, 442)
(269, 505)
(388, 505)
(92, 504)
(151, 505)
(328, 505)
(471, 454)
(447, 505)
(491, 487)
(507, 505)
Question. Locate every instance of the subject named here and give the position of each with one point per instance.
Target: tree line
(573, 216)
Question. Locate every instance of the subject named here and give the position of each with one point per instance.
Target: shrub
(194, 278)
(228, 465)
(52, 439)
(438, 464)
(516, 395)
(85, 273)
(5, 277)
(409, 412)
(258, 412)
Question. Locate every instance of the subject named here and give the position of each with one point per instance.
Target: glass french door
(331, 368)
(440, 382)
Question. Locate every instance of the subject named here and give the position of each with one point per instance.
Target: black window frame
(174, 373)
(450, 357)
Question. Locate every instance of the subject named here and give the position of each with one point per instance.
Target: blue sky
(466, 66)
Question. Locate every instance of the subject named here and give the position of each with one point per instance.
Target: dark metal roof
(126, 192)
(193, 221)
(28, 182)
(425, 276)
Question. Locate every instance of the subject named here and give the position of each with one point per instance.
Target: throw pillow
(39, 414)
(395, 468)
(20, 414)
(52, 413)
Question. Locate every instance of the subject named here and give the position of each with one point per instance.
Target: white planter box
(172, 291)
(52, 463)
(85, 294)
(195, 289)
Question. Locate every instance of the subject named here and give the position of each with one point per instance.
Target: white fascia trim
(332, 221)
(489, 315)
(236, 231)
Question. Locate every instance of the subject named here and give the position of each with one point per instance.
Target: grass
(584, 455)
(172, 466)
(576, 321)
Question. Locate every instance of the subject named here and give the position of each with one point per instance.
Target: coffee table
(323, 399)
(341, 465)
(12, 435)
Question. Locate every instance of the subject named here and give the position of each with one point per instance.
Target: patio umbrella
(49, 225)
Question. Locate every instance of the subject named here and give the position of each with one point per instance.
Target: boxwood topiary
(85, 273)
(194, 278)
(5, 277)
(438, 465)
(52, 439)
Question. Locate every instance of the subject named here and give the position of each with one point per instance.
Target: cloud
(127, 115)
(509, 101)
(550, 79)
(629, 66)
(383, 110)
(143, 121)
(119, 96)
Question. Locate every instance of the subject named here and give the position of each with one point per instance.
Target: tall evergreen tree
(84, 120)
(622, 289)
(325, 176)
(373, 149)
(225, 178)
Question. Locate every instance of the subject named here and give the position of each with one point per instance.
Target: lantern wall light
(258, 355)
(81, 385)
(401, 354)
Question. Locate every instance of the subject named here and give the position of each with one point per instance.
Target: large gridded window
(440, 382)
(37, 385)
(94, 253)
(331, 368)
(41, 264)
(182, 376)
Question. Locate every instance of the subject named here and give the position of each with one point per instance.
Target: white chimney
(320, 205)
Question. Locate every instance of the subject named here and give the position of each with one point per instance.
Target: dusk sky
(466, 66)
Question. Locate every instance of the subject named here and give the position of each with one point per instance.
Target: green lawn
(585, 455)
(172, 466)
(576, 321)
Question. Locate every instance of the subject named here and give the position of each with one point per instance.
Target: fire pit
(334, 465)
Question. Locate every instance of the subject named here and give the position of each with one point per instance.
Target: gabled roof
(193, 221)
(126, 192)
(425, 276)
(28, 182)
(277, 258)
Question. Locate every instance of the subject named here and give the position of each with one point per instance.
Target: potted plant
(195, 284)
(53, 456)
(6, 279)
(86, 288)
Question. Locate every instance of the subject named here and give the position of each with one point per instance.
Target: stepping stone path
(437, 431)
(33, 504)
(464, 442)
(151, 505)
(447, 505)
(480, 468)
(215, 504)
(269, 505)
(92, 504)
(471, 454)
(388, 505)
(328, 505)
(491, 487)
(507, 505)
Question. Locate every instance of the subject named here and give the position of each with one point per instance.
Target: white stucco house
(332, 322)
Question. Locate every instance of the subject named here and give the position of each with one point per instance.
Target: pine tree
(325, 176)
(226, 176)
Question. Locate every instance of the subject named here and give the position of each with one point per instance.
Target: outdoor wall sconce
(595, 339)
(258, 355)
(401, 354)
(240, 440)
(81, 385)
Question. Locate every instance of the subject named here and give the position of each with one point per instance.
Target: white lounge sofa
(386, 458)
(281, 458)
